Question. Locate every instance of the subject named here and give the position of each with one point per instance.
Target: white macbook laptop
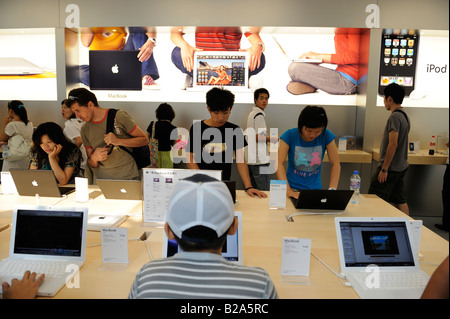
(120, 189)
(98, 221)
(232, 250)
(228, 69)
(46, 240)
(378, 257)
(30, 182)
(18, 66)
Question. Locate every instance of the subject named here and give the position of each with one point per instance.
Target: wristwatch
(153, 40)
(263, 48)
(384, 170)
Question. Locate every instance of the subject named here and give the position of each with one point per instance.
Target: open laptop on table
(114, 70)
(228, 69)
(322, 201)
(30, 182)
(232, 250)
(120, 189)
(46, 240)
(378, 257)
(232, 188)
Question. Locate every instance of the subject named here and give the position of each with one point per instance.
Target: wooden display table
(420, 158)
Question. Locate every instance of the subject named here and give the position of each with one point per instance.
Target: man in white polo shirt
(257, 151)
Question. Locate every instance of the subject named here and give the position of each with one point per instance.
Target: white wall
(365, 120)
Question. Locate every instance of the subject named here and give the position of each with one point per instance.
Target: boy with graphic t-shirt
(213, 142)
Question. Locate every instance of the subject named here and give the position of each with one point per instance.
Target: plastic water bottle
(432, 145)
(355, 184)
(5, 150)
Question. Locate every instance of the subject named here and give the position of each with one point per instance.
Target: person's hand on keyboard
(26, 288)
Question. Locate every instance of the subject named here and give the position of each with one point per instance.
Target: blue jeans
(321, 78)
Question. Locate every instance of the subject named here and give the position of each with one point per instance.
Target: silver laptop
(98, 221)
(228, 69)
(114, 70)
(296, 59)
(46, 240)
(378, 257)
(18, 66)
(30, 182)
(120, 189)
(232, 250)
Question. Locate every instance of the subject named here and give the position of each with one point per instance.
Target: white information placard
(114, 245)
(295, 259)
(8, 186)
(277, 197)
(81, 189)
(158, 186)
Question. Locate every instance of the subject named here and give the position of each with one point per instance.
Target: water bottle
(355, 184)
(5, 150)
(432, 146)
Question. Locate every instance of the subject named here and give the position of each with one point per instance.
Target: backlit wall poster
(418, 60)
(322, 66)
(28, 64)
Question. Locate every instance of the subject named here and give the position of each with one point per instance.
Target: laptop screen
(50, 233)
(221, 68)
(385, 244)
(231, 251)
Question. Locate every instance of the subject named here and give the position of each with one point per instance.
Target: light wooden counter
(352, 156)
(263, 231)
(420, 158)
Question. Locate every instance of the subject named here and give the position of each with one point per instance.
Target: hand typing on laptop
(26, 288)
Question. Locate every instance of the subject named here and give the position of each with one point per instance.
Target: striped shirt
(218, 41)
(201, 275)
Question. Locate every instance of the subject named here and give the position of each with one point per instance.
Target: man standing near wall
(257, 155)
(104, 154)
(388, 180)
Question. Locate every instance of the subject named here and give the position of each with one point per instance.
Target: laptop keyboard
(16, 268)
(393, 280)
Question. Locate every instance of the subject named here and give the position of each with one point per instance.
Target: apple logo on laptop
(115, 69)
(34, 183)
(123, 190)
(323, 200)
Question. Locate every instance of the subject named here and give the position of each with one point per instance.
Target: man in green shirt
(108, 160)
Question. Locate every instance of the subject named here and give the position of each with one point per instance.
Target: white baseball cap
(200, 200)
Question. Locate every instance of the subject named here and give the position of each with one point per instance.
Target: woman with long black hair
(52, 150)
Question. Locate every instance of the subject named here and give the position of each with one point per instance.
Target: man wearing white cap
(199, 218)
